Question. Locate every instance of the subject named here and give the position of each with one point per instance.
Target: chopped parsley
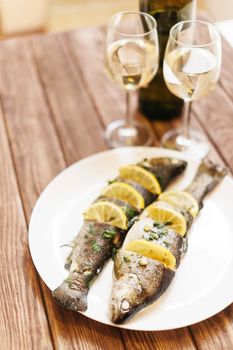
(96, 247)
(153, 235)
(158, 225)
(156, 232)
(126, 259)
(109, 233)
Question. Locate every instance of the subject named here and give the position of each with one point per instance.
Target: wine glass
(191, 69)
(132, 61)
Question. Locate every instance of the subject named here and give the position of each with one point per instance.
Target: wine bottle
(156, 101)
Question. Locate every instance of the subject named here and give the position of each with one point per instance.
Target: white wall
(29, 15)
(23, 15)
(218, 9)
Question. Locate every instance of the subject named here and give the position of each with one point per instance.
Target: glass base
(121, 134)
(196, 145)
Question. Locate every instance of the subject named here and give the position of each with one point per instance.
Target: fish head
(125, 296)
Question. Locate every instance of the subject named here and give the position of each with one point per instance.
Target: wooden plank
(214, 112)
(75, 116)
(226, 78)
(161, 128)
(178, 339)
(216, 332)
(23, 323)
(38, 158)
(88, 50)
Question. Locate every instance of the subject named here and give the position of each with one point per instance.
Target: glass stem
(129, 112)
(186, 119)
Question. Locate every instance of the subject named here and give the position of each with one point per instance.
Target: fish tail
(207, 177)
(164, 169)
(71, 297)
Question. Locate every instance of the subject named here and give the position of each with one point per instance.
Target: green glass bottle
(156, 101)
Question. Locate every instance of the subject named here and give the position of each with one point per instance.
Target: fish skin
(136, 286)
(72, 293)
(155, 280)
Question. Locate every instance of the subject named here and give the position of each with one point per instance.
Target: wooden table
(55, 103)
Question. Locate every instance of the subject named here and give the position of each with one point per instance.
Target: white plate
(203, 284)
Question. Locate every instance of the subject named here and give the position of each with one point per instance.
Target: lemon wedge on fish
(108, 213)
(126, 193)
(181, 199)
(141, 176)
(153, 251)
(166, 215)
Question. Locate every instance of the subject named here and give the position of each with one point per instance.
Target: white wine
(191, 73)
(132, 63)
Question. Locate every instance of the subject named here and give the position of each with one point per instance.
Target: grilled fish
(95, 242)
(138, 280)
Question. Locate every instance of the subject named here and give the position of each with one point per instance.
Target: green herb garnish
(109, 233)
(158, 225)
(126, 258)
(96, 247)
(163, 232)
(153, 235)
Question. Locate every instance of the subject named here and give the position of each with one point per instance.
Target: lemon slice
(153, 251)
(142, 177)
(181, 199)
(108, 213)
(169, 216)
(126, 193)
